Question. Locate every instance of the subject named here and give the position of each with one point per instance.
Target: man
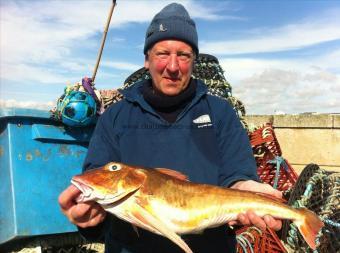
(170, 121)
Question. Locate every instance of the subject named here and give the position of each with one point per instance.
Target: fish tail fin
(309, 226)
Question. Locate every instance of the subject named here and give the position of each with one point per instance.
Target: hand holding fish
(83, 215)
(250, 217)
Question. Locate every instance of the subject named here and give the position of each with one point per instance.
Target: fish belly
(189, 220)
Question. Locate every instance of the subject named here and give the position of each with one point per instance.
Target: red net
(251, 239)
(272, 169)
(268, 157)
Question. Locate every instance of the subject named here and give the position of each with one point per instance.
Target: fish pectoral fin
(144, 217)
(173, 173)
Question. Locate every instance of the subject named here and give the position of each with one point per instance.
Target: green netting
(319, 191)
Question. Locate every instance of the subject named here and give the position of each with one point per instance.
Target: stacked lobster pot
(272, 169)
(315, 189)
(319, 191)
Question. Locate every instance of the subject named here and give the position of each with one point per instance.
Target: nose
(173, 65)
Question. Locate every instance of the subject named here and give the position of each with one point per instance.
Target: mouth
(172, 79)
(86, 191)
(90, 194)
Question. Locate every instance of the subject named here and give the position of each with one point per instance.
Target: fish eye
(114, 167)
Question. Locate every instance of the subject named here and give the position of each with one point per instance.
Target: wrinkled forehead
(171, 45)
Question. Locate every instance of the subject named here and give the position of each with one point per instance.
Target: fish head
(109, 183)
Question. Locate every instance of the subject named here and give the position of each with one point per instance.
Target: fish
(165, 202)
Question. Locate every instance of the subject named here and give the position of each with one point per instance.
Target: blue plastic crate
(38, 157)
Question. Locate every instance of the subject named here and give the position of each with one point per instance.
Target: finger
(251, 185)
(272, 223)
(274, 192)
(66, 198)
(243, 219)
(96, 210)
(95, 219)
(81, 211)
(84, 212)
(256, 220)
(268, 189)
(233, 223)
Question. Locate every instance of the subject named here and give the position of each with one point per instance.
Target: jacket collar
(134, 94)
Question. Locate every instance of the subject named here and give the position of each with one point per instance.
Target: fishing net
(319, 191)
(272, 168)
(316, 189)
(59, 243)
(253, 240)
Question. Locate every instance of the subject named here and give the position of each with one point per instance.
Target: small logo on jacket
(203, 121)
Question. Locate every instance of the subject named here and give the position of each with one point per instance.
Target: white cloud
(76, 66)
(144, 11)
(292, 86)
(293, 36)
(121, 65)
(47, 30)
(12, 103)
(216, 11)
(38, 40)
(36, 33)
(25, 72)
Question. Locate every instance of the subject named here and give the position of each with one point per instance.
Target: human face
(170, 63)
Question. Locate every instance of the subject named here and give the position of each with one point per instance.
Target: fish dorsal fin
(173, 173)
(281, 200)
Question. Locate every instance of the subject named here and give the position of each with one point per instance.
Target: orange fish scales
(190, 213)
(178, 219)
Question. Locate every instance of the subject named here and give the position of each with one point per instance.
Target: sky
(278, 56)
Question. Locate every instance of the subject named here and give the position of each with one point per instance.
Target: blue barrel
(38, 157)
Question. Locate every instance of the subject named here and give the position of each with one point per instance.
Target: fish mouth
(86, 192)
(89, 194)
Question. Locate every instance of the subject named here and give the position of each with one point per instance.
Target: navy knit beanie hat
(172, 22)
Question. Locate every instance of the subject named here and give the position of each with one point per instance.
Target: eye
(184, 56)
(162, 54)
(114, 167)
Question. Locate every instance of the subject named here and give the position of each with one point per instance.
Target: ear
(146, 62)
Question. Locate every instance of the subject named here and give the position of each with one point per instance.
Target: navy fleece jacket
(207, 143)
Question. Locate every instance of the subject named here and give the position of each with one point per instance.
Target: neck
(169, 105)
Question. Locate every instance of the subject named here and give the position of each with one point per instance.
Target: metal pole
(103, 40)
